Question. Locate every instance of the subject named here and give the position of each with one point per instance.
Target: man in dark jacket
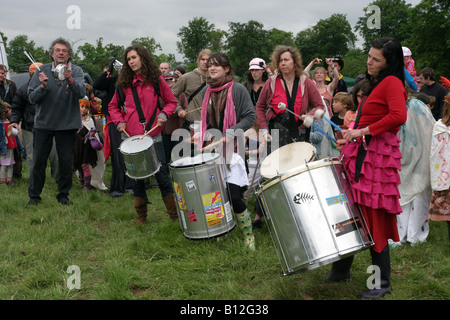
(23, 113)
(8, 88)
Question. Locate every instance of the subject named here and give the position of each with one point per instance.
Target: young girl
(440, 168)
(88, 158)
(7, 146)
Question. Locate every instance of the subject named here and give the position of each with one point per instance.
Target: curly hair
(63, 42)
(296, 56)
(150, 71)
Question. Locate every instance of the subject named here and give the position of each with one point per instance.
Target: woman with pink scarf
(227, 107)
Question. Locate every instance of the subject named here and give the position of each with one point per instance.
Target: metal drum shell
(312, 217)
(139, 156)
(196, 181)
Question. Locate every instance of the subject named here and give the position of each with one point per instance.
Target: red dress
(376, 191)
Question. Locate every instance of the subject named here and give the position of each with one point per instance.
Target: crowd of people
(393, 139)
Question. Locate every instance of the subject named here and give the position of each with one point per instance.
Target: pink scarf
(229, 114)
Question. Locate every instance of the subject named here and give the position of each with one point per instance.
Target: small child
(344, 108)
(88, 157)
(7, 146)
(410, 64)
(440, 168)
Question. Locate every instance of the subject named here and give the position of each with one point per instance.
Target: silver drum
(312, 217)
(202, 200)
(139, 156)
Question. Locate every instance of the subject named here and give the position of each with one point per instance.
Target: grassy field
(119, 260)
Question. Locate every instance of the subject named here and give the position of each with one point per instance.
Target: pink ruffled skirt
(377, 188)
(379, 179)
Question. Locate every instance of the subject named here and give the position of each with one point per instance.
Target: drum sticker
(190, 185)
(130, 166)
(304, 197)
(192, 216)
(179, 195)
(345, 227)
(212, 179)
(214, 212)
(342, 198)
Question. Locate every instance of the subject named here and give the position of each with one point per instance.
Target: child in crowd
(440, 168)
(89, 158)
(342, 103)
(7, 146)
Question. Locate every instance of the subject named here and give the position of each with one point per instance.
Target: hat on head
(335, 59)
(406, 52)
(257, 64)
(32, 68)
(170, 74)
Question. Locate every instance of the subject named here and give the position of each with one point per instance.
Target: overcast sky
(119, 22)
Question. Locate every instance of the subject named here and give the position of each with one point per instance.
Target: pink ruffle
(379, 179)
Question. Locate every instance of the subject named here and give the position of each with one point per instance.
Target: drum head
(135, 144)
(287, 158)
(193, 161)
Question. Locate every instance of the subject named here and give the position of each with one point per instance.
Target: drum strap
(142, 119)
(362, 149)
(293, 125)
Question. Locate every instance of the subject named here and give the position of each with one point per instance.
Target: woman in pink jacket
(157, 101)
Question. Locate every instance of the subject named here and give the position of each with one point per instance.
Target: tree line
(425, 29)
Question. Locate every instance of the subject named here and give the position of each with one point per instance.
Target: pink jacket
(148, 101)
(310, 96)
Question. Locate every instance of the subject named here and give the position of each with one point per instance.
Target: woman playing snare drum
(372, 157)
(141, 72)
(227, 106)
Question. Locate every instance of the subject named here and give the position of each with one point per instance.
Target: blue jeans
(162, 177)
(65, 148)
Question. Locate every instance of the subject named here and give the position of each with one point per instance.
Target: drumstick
(212, 144)
(199, 108)
(148, 132)
(319, 114)
(126, 133)
(309, 120)
(32, 60)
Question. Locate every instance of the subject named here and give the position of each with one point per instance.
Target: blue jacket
(3, 141)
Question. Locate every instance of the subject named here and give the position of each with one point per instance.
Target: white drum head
(287, 158)
(198, 159)
(135, 144)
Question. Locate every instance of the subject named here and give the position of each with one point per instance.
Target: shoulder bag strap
(142, 119)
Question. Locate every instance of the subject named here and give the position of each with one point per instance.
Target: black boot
(340, 270)
(383, 261)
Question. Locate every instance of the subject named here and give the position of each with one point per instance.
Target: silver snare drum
(139, 157)
(312, 217)
(202, 200)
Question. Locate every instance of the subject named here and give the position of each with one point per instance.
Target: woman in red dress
(372, 157)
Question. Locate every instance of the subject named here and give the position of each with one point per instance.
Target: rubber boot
(383, 261)
(87, 183)
(340, 270)
(245, 224)
(140, 205)
(169, 202)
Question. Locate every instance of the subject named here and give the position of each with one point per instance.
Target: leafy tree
(394, 22)
(245, 41)
(430, 39)
(198, 35)
(325, 39)
(16, 56)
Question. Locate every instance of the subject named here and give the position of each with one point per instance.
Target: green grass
(120, 260)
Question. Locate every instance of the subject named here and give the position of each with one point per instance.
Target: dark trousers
(65, 148)
(119, 181)
(162, 177)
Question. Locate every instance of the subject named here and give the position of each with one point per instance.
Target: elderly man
(57, 116)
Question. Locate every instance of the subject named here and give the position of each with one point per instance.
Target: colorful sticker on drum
(192, 217)
(179, 196)
(212, 179)
(190, 185)
(212, 203)
(345, 227)
(342, 198)
(130, 166)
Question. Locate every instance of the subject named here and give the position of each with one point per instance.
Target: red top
(385, 108)
(12, 142)
(280, 96)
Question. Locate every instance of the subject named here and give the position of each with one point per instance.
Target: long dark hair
(393, 53)
(150, 70)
